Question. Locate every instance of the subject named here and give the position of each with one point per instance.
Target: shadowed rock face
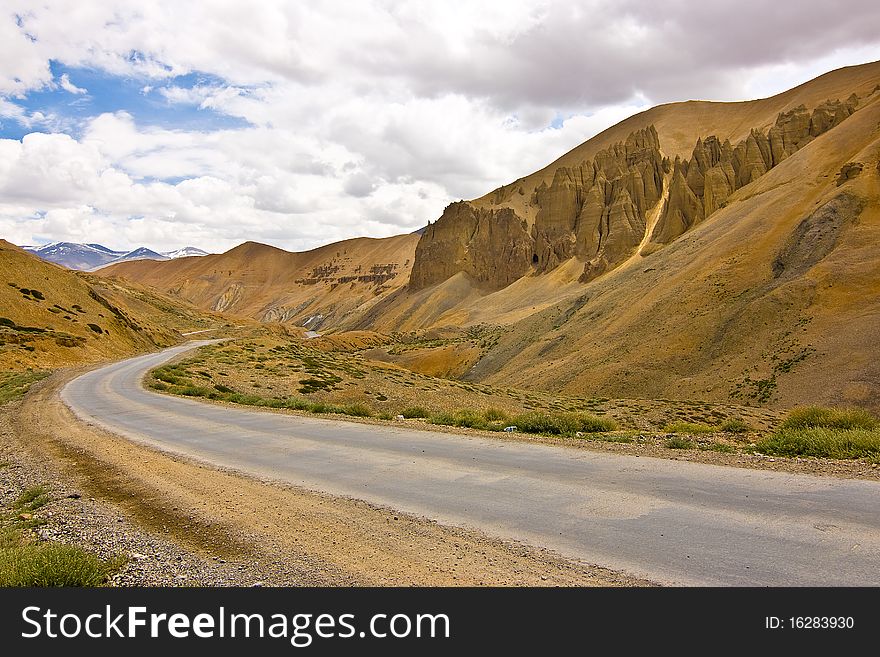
(702, 184)
(595, 211)
(492, 246)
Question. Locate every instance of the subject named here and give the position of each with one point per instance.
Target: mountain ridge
(681, 253)
(91, 256)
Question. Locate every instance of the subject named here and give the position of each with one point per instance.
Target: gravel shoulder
(180, 522)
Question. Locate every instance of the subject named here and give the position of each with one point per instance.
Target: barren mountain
(51, 316)
(88, 257)
(322, 287)
(696, 250)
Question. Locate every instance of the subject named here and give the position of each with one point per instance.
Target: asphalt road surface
(671, 521)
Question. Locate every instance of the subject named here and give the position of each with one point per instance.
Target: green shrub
(470, 419)
(223, 388)
(298, 404)
(562, 423)
(624, 438)
(592, 424)
(195, 391)
(245, 400)
(677, 442)
(32, 498)
(495, 415)
(414, 411)
(688, 427)
(735, 425)
(812, 417)
(446, 419)
(50, 564)
(357, 410)
(724, 448)
(822, 442)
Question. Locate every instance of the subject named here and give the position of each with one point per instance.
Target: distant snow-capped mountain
(93, 256)
(185, 252)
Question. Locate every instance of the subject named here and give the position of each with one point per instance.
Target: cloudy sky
(174, 123)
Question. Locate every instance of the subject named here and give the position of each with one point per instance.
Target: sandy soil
(306, 537)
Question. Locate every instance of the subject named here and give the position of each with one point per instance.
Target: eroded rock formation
(492, 246)
(701, 185)
(596, 210)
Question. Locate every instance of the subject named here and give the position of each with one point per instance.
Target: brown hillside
(724, 251)
(51, 316)
(774, 298)
(313, 288)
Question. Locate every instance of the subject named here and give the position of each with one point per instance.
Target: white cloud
(362, 118)
(69, 87)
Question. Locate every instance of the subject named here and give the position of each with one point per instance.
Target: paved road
(674, 522)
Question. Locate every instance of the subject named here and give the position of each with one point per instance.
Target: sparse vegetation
(825, 433)
(823, 443)
(27, 562)
(32, 498)
(15, 384)
(736, 425)
(724, 448)
(562, 423)
(24, 563)
(691, 428)
(414, 412)
(813, 417)
(677, 442)
(333, 377)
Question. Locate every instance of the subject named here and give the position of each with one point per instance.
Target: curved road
(671, 521)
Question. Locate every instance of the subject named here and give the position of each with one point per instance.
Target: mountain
(697, 250)
(51, 316)
(142, 253)
(87, 257)
(321, 287)
(75, 256)
(185, 252)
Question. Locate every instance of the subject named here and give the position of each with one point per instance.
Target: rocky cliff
(701, 185)
(492, 246)
(595, 211)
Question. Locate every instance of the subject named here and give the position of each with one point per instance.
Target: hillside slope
(775, 298)
(315, 288)
(719, 251)
(51, 316)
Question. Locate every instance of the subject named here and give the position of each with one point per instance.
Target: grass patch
(822, 442)
(444, 419)
(495, 415)
(677, 442)
(562, 423)
(735, 425)
(724, 448)
(814, 417)
(13, 385)
(414, 411)
(32, 498)
(357, 410)
(617, 438)
(49, 564)
(688, 427)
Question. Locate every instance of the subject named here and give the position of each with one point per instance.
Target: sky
(168, 124)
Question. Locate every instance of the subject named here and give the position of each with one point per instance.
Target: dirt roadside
(182, 522)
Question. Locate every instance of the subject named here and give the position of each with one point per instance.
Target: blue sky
(169, 123)
(103, 92)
